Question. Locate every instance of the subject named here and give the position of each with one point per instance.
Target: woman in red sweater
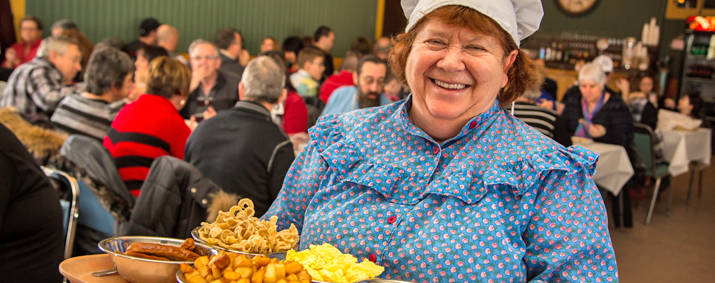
(151, 126)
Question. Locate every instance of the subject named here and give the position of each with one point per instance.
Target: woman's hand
(596, 131)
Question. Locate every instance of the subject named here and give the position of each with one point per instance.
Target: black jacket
(175, 198)
(231, 65)
(225, 97)
(244, 152)
(31, 233)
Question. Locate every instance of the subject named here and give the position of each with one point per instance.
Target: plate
(195, 235)
(581, 140)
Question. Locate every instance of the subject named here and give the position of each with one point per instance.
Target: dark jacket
(175, 199)
(614, 116)
(84, 158)
(244, 152)
(225, 97)
(231, 65)
(31, 233)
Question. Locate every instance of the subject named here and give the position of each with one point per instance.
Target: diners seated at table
(230, 46)
(540, 118)
(37, 87)
(145, 55)
(324, 40)
(269, 43)
(108, 79)
(212, 89)
(606, 64)
(291, 114)
(596, 114)
(382, 47)
(151, 126)
(448, 175)
(690, 104)
(23, 52)
(307, 79)
(343, 78)
(147, 35)
(167, 36)
(639, 101)
(69, 29)
(291, 47)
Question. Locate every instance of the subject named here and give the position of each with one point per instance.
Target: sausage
(170, 252)
(141, 255)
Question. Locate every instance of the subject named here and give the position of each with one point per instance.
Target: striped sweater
(80, 115)
(142, 131)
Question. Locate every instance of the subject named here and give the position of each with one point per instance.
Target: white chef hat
(605, 62)
(520, 18)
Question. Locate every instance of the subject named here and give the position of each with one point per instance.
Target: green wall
(618, 19)
(255, 19)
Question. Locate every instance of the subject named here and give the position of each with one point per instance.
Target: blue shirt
(499, 201)
(344, 99)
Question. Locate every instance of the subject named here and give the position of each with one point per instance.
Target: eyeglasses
(208, 57)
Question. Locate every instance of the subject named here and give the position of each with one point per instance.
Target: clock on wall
(576, 7)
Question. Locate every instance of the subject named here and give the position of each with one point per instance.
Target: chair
(643, 139)
(70, 208)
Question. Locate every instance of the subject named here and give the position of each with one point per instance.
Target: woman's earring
(182, 101)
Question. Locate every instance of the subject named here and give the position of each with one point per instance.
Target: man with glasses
(369, 82)
(212, 89)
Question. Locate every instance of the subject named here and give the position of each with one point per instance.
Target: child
(690, 105)
(310, 62)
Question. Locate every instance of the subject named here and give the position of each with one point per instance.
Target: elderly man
(367, 92)
(382, 47)
(230, 43)
(241, 149)
(324, 39)
(211, 89)
(35, 88)
(108, 79)
(23, 52)
(168, 37)
(147, 36)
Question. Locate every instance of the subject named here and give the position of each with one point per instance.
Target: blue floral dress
(499, 202)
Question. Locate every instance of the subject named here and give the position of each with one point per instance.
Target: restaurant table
(79, 269)
(613, 168)
(682, 147)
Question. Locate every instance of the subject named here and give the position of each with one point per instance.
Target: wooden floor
(675, 248)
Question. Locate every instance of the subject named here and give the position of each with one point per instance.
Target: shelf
(699, 80)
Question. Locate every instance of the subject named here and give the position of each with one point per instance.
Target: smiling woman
(446, 184)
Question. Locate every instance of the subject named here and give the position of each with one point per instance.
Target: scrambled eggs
(327, 263)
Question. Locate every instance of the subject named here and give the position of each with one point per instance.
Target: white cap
(520, 18)
(605, 62)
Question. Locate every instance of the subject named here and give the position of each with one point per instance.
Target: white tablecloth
(682, 147)
(613, 168)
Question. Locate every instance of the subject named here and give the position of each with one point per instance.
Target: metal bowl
(195, 235)
(135, 270)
